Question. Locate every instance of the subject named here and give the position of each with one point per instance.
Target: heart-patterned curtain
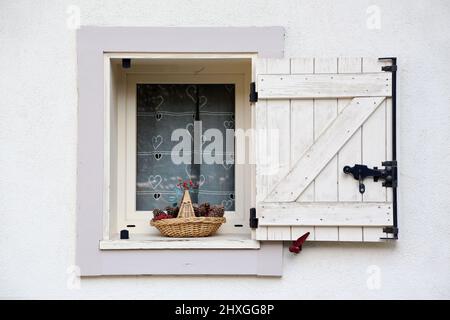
(163, 108)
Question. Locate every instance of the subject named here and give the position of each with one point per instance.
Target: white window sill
(219, 241)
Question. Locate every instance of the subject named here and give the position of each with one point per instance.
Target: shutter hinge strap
(253, 219)
(393, 230)
(390, 230)
(393, 69)
(253, 94)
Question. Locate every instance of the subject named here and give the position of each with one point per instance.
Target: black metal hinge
(393, 230)
(253, 93)
(392, 68)
(390, 230)
(253, 219)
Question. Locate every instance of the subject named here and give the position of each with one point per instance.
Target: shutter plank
(325, 112)
(373, 234)
(351, 234)
(373, 65)
(302, 122)
(279, 233)
(350, 153)
(389, 141)
(278, 66)
(349, 65)
(302, 66)
(297, 232)
(262, 179)
(302, 136)
(278, 86)
(374, 151)
(326, 147)
(278, 119)
(261, 233)
(262, 183)
(278, 115)
(325, 214)
(326, 234)
(325, 65)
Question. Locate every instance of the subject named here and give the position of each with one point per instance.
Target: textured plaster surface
(38, 101)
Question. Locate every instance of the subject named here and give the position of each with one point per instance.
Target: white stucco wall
(38, 100)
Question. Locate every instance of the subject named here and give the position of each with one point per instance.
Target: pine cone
(216, 211)
(157, 212)
(173, 211)
(203, 209)
(196, 209)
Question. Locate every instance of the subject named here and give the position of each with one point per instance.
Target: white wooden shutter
(328, 113)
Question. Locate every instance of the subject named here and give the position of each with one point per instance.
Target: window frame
(244, 191)
(92, 43)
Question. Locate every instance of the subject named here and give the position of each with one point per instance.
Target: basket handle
(186, 208)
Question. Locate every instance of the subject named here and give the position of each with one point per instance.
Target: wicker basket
(187, 225)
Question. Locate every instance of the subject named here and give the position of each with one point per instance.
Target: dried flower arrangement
(188, 219)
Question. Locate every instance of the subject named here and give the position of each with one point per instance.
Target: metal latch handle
(360, 172)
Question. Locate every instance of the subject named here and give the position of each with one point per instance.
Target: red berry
(162, 216)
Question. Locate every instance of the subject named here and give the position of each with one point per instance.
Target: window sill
(144, 242)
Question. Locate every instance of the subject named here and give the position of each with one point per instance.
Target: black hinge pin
(253, 219)
(253, 93)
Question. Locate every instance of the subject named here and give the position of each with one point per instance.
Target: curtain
(163, 108)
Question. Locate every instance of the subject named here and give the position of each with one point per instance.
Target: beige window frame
(171, 68)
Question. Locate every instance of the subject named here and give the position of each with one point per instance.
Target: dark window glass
(163, 108)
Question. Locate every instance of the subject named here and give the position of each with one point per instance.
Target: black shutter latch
(388, 174)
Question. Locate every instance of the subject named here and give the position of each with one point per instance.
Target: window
(154, 103)
(102, 142)
(320, 107)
